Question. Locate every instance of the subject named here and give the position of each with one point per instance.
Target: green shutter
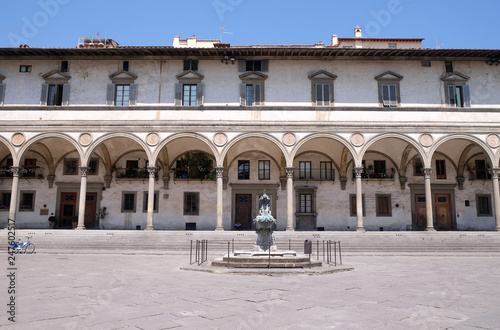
(133, 93)
(2, 93)
(43, 97)
(178, 94)
(199, 94)
(466, 91)
(110, 94)
(451, 95)
(65, 94)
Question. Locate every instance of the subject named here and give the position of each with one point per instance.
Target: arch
(30, 143)
(493, 159)
(177, 136)
(247, 151)
(403, 137)
(337, 167)
(331, 136)
(92, 148)
(9, 147)
(243, 136)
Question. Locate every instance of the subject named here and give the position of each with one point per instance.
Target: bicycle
(23, 247)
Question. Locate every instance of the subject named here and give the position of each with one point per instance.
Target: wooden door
(243, 211)
(420, 212)
(67, 209)
(443, 212)
(90, 210)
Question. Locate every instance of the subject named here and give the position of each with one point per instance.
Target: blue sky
(59, 23)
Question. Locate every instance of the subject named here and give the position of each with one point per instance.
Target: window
(5, 200)
(264, 169)
(145, 202)
(253, 93)
(253, 66)
(379, 167)
(440, 169)
(189, 95)
(55, 95)
(190, 65)
(27, 201)
(305, 170)
(64, 66)
(191, 203)
(383, 207)
(393, 45)
(55, 89)
(252, 88)
(483, 205)
(458, 96)
(389, 89)
(2, 89)
(243, 169)
(418, 167)
(125, 65)
(93, 166)
(352, 205)
(481, 171)
(322, 88)
(326, 171)
(131, 169)
(25, 68)
(70, 166)
(122, 95)
(29, 168)
(448, 66)
(306, 203)
(128, 202)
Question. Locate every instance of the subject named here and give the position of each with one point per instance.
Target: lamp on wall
(494, 60)
(226, 60)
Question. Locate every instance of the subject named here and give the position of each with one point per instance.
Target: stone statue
(264, 223)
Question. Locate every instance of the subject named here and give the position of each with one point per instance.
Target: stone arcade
(361, 134)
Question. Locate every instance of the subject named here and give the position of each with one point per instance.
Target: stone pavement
(119, 291)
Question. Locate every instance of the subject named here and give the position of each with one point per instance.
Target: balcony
(314, 174)
(132, 173)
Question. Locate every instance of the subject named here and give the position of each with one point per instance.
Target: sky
(472, 24)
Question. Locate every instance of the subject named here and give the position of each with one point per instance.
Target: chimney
(357, 32)
(335, 40)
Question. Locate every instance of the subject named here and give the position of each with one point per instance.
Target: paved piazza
(106, 291)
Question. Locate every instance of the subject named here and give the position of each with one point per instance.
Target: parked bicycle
(23, 247)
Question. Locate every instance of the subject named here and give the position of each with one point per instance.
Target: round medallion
(152, 139)
(18, 139)
(289, 139)
(357, 139)
(85, 139)
(220, 139)
(493, 140)
(426, 140)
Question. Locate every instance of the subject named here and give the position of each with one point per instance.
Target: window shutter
(385, 95)
(243, 93)
(45, 91)
(2, 93)
(242, 65)
(318, 98)
(451, 95)
(326, 94)
(110, 94)
(199, 94)
(187, 65)
(178, 94)
(264, 65)
(65, 95)
(134, 89)
(393, 102)
(257, 98)
(466, 91)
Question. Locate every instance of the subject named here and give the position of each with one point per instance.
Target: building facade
(362, 134)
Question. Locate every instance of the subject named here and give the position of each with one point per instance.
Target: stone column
(14, 195)
(83, 198)
(151, 197)
(289, 199)
(359, 200)
(219, 171)
(496, 195)
(428, 199)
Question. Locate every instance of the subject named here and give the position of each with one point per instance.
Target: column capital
(152, 171)
(16, 170)
(83, 170)
(427, 172)
(289, 172)
(359, 171)
(219, 172)
(494, 171)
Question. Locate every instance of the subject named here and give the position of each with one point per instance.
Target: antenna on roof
(438, 46)
(223, 31)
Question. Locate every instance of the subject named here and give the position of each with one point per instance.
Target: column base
(430, 229)
(360, 229)
(80, 228)
(497, 228)
(149, 228)
(219, 228)
(290, 229)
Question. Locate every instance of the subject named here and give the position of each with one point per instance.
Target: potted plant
(52, 222)
(101, 214)
(74, 221)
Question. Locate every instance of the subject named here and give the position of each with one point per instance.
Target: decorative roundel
(426, 140)
(85, 139)
(289, 139)
(357, 139)
(18, 139)
(493, 140)
(220, 139)
(152, 139)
